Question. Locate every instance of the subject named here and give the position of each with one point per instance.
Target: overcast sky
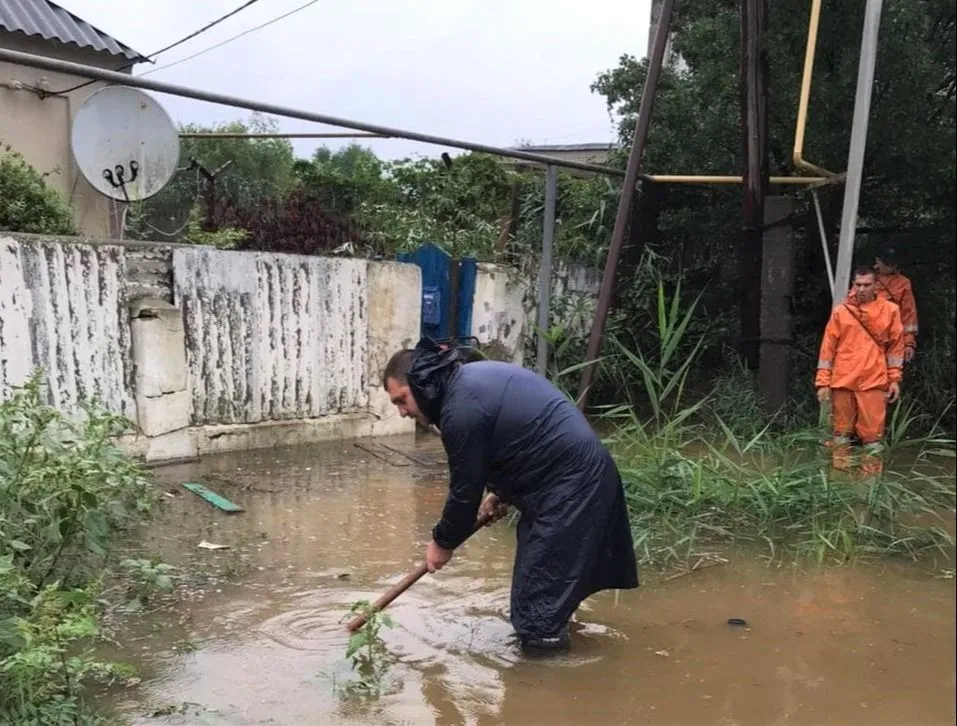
(493, 71)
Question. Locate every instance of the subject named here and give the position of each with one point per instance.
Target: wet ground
(260, 636)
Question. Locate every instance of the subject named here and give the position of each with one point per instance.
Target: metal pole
(648, 93)
(279, 135)
(807, 181)
(545, 266)
(827, 251)
(855, 156)
(123, 79)
(797, 156)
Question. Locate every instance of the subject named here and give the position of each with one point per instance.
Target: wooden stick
(404, 584)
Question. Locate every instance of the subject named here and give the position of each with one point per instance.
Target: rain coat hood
(432, 368)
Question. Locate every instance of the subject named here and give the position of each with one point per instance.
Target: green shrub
(66, 491)
(27, 203)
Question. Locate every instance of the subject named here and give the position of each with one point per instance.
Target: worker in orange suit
(859, 369)
(894, 286)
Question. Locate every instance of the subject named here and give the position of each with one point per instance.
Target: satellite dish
(124, 143)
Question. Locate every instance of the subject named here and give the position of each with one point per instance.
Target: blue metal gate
(448, 287)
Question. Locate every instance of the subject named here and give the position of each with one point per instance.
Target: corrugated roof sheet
(51, 22)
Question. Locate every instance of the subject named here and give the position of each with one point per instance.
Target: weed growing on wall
(66, 493)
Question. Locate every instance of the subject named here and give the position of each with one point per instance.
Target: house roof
(51, 22)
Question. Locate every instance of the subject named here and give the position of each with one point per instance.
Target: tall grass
(695, 481)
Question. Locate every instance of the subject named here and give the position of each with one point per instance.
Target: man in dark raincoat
(510, 430)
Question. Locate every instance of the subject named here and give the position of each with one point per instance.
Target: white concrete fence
(208, 350)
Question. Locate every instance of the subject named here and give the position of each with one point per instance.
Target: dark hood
(431, 369)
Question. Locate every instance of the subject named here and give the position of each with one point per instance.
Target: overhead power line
(230, 40)
(172, 45)
(204, 28)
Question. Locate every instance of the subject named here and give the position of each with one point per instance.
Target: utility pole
(605, 294)
(754, 127)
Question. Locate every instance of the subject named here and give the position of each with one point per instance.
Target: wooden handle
(405, 583)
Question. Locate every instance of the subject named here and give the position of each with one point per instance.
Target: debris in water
(343, 576)
(212, 497)
(663, 653)
(737, 622)
(210, 546)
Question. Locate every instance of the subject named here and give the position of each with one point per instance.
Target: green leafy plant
(226, 238)
(148, 579)
(27, 203)
(367, 653)
(66, 493)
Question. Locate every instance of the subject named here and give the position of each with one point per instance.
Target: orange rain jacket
(897, 288)
(863, 346)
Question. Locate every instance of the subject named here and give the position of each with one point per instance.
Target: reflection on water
(326, 526)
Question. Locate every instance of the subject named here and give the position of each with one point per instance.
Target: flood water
(259, 637)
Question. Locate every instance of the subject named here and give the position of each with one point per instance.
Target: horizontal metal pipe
(100, 74)
(691, 179)
(279, 135)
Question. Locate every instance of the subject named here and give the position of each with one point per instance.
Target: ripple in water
(434, 626)
(316, 623)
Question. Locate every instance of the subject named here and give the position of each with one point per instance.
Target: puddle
(262, 642)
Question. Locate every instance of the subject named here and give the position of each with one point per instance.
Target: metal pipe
(545, 266)
(231, 135)
(101, 74)
(692, 179)
(648, 93)
(823, 233)
(801, 125)
(855, 156)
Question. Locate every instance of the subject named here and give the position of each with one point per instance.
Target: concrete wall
(272, 337)
(61, 308)
(207, 350)
(498, 311)
(40, 128)
(505, 306)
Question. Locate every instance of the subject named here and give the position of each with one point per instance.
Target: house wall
(207, 350)
(40, 128)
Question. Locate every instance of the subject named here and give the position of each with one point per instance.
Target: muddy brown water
(262, 639)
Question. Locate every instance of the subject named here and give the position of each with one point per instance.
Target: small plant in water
(148, 580)
(367, 653)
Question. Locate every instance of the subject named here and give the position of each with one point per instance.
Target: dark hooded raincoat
(508, 429)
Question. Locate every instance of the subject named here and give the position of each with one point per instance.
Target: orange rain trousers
(861, 414)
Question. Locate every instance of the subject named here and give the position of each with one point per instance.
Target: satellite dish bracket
(120, 182)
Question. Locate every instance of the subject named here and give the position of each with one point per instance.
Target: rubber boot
(841, 457)
(548, 645)
(872, 460)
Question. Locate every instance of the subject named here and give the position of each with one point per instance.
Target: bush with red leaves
(298, 223)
